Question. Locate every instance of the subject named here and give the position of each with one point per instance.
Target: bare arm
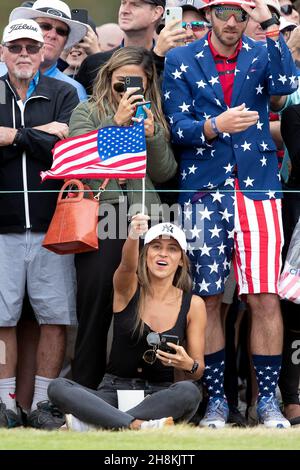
(277, 102)
(125, 277)
(276, 134)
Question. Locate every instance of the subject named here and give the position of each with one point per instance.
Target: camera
(161, 340)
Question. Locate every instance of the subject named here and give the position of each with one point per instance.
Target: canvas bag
(289, 282)
(73, 228)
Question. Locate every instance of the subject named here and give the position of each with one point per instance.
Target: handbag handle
(80, 187)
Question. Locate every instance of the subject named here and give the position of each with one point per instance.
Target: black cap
(160, 3)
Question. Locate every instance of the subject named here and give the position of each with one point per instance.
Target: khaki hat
(20, 29)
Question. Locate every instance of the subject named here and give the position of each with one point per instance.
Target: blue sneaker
(269, 414)
(216, 414)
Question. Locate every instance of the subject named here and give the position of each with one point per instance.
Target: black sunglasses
(287, 9)
(59, 30)
(17, 48)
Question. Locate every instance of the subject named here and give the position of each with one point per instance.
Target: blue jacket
(193, 93)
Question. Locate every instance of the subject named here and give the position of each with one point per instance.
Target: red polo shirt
(226, 68)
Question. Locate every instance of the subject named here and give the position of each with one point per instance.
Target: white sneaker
(157, 423)
(74, 424)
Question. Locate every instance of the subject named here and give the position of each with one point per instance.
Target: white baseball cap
(57, 10)
(169, 230)
(284, 23)
(20, 29)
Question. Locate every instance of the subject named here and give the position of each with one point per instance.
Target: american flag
(289, 284)
(110, 152)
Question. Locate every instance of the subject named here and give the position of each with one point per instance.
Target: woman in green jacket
(111, 105)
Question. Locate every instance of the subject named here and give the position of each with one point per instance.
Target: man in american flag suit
(216, 96)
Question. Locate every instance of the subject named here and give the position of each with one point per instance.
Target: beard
(223, 38)
(23, 74)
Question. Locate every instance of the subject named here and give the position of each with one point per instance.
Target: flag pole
(143, 195)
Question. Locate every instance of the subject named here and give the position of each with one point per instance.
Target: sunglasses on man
(223, 13)
(64, 32)
(195, 25)
(287, 9)
(17, 48)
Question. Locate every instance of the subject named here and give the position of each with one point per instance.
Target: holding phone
(140, 113)
(80, 14)
(134, 82)
(164, 339)
(174, 13)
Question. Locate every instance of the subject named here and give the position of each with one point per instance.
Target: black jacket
(53, 100)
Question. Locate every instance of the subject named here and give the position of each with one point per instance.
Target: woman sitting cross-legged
(152, 295)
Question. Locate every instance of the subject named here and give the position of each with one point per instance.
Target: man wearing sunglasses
(59, 31)
(34, 115)
(216, 97)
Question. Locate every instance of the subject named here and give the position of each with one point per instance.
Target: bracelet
(270, 34)
(194, 368)
(214, 126)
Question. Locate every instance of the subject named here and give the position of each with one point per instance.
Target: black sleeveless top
(126, 357)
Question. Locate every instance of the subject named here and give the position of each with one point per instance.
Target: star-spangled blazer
(193, 93)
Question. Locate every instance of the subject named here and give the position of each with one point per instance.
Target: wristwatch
(18, 137)
(270, 22)
(194, 368)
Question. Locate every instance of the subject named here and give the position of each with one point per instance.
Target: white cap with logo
(20, 29)
(169, 230)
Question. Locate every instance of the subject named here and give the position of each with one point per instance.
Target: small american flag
(110, 152)
(289, 284)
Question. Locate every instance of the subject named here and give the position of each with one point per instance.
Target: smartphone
(80, 14)
(164, 339)
(134, 82)
(174, 13)
(140, 112)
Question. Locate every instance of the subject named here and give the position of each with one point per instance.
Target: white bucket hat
(20, 29)
(169, 230)
(57, 10)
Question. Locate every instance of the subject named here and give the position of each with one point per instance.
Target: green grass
(175, 438)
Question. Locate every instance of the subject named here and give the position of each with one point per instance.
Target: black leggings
(99, 407)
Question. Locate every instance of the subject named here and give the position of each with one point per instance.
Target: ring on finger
(169, 361)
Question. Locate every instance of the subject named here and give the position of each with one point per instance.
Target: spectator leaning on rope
(34, 116)
(217, 92)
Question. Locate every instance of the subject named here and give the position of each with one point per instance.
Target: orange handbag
(73, 228)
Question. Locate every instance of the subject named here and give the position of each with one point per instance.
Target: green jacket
(161, 164)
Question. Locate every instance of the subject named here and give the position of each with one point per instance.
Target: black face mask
(119, 87)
